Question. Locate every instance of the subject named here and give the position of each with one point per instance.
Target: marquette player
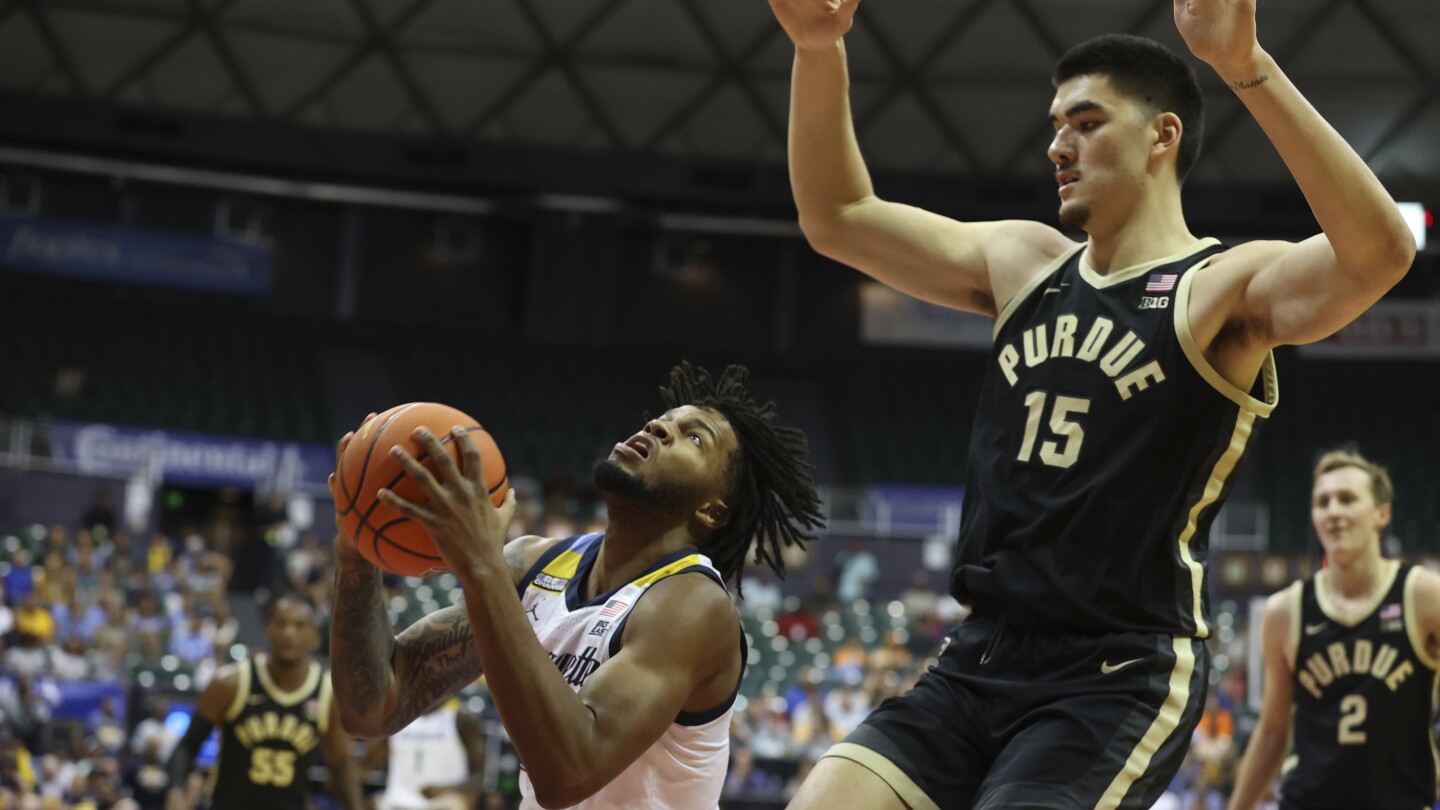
(613, 659)
(436, 763)
(1351, 656)
(1128, 376)
(277, 719)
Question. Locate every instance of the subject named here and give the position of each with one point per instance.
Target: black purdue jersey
(1104, 444)
(1364, 697)
(269, 741)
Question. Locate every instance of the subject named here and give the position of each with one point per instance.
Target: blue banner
(133, 255)
(195, 459)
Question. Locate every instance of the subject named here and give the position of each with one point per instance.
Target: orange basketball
(381, 534)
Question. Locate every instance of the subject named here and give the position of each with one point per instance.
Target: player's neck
(287, 676)
(629, 549)
(1358, 578)
(1152, 228)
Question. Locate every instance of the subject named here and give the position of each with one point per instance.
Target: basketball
(379, 532)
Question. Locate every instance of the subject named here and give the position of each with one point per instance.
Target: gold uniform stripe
(242, 692)
(904, 786)
(660, 573)
(562, 567)
(1160, 730)
(1224, 467)
(287, 699)
(326, 695)
(1296, 596)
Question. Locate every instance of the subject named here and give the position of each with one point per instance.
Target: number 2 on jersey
(1353, 707)
(1060, 424)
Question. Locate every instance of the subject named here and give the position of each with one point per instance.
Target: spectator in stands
(148, 619)
(893, 654)
(100, 514)
(850, 659)
(846, 706)
(68, 662)
(26, 657)
(106, 727)
(857, 572)
(17, 776)
(221, 625)
(153, 728)
(190, 643)
(27, 714)
(919, 599)
(78, 616)
(798, 622)
(20, 579)
(147, 780)
(7, 617)
(34, 620)
(158, 554)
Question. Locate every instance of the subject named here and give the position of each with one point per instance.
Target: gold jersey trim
(673, 568)
(1030, 286)
(1219, 474)
(327, 695)
(888, 772)
(1099, 282)
(1412, 623)
(242, 693)
(1270, 380)
(1296, 594)
(287, 699)
(1367, 608)
(559, 570)
(1164, 725)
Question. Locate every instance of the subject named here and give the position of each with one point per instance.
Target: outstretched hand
(468, 529)
(815, 24)
(1219, 32)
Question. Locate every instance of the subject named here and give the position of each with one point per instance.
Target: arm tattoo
(1264, 77)
(360, 641)
(434, 658)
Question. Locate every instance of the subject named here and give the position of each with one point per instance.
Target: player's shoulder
(1243, 260)
(685, 604)
(1023, 245)
(1284, 602)
(522, 553)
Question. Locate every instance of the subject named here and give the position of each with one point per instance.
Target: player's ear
(1384, 515)
(1165, 132)
(714, 514)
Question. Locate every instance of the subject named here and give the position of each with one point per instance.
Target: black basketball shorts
(1025, 718)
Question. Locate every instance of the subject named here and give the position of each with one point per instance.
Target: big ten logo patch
(1155, 302)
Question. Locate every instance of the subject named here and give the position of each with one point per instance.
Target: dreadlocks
(774, 502)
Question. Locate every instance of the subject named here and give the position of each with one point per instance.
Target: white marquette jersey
(427, 752)
(685, 768)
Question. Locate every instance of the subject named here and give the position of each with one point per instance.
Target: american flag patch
(613, 608)
(1161, 282)
(1389, 612)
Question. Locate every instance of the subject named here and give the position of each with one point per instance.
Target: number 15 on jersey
(1064, 449)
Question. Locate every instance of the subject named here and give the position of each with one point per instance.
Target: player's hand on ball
(467, 528)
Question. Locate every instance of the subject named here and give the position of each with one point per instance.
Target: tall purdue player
(1128, 376)
(277, 719)
(613, 658)
(1351, 656)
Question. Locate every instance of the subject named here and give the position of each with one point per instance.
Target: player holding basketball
(1351, 656)
(277, 718)
(613, 659)
(1129, 375)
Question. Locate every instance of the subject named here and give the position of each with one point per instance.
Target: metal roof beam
(550, 59)
(356, 57)
(909, 79)
(1430, 86)
(206, 19)
(36, 9)
(384, 39)
(189, 29)
(561, 52)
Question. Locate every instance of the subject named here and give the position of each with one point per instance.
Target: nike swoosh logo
(1312, 629)
(1052, 290)
(1106, 668)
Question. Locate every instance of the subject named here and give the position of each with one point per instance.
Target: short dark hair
(267, 611)
(1149, 73)
(774, 502)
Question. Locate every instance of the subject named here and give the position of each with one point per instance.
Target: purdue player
(1351, 656)
(613, 659)
(277, 719)
(1128, 377)
(436, 763)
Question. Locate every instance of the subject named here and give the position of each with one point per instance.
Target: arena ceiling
(947, 85)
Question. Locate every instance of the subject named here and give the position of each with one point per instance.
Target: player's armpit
(681, 640)
(1293, 294)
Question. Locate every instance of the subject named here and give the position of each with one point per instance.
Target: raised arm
(970, 266)
(383, 682)
(1299, 293)
(1268, 745)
